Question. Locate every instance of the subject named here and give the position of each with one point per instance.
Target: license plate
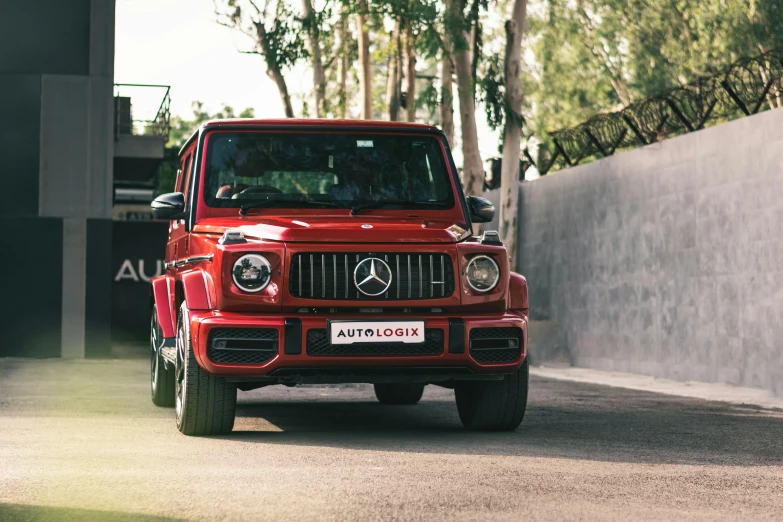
(351, 332)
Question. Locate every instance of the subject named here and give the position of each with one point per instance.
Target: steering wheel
(264, 189)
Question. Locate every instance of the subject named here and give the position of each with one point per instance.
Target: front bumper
(292, 360)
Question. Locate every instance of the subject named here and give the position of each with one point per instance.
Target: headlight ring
(251, 273)
(482, 274)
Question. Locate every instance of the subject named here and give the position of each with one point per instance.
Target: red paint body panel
(517, 293)
(162, 290)
(278, 234)
(196, 287)
(202, 323)
(317, 226)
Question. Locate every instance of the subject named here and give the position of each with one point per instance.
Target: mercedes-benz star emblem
(372, 276)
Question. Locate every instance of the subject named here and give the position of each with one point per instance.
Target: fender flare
(199, 292)
(517, 292)
(195, 288)
(162, 295)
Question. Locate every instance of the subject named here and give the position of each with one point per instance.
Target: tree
(599, 55)
(447, 95)
(276, 34)
(456, 37)
(509, 176)
(410, 71)
(312, 23)
(365, 72)
(395, 71)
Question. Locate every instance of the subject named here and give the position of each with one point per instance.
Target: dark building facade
(57, 150)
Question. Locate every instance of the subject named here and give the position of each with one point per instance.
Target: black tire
(493, 405)
(399, 393)
(205, 404)
(161, 378)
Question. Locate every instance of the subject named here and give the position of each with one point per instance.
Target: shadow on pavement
(575, 421)
(27, 513)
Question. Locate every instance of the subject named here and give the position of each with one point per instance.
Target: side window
(182, 174)
(187, 174)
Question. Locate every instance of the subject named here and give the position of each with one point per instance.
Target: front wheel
(399, 393)
(205, 404)
(493, 405)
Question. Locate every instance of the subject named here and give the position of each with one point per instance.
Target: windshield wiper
(295, 202)
(390, 202)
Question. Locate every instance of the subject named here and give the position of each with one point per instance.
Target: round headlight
(482, 274)
(252, 272)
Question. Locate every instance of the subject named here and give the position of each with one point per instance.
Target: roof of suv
(307, 122)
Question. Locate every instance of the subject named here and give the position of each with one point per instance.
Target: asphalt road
(80, 440)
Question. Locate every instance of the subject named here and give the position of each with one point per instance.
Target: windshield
(264, 169)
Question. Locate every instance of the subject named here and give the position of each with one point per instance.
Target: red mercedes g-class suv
(323, 251)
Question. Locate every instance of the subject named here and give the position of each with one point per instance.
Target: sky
(178, 43)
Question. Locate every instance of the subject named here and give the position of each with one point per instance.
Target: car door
(177, 246)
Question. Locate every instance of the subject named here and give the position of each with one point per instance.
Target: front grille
(331, 276)
(496, 345)
(242, 345)
(318, 345)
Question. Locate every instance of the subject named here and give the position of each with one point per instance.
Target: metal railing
(142, 109)
(746, 87)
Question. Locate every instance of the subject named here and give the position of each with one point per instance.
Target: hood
(359, 229)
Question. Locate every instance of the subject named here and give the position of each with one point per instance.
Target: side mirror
(481, 210)
(169, 206)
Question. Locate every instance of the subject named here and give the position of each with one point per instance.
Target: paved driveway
(80, 440)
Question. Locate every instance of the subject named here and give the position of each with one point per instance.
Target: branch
(251, 2)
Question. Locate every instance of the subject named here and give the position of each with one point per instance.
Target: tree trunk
(319, 78)
(447, 97)
(365, 73)
(472, 167)
(392, 84)
(342, 90)
(475, 41)
(410, 73)
(509, 175)
(273, 70)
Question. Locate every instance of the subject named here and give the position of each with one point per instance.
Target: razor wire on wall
(746, 87)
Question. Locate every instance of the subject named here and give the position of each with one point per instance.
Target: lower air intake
(496, 345)
(242, 345)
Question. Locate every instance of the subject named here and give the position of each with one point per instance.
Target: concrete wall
(666, 260)
(56, 141)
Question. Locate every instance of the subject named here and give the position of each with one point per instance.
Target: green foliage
(275, 28)
(166, 177)
(491, 92)
(183, 128)
(599, 55)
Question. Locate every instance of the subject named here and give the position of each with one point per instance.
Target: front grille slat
(442, 276)
(410, 276)
(318, 345)
(418, 272)
(399, 279)
(312, 277)
(432, 277)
